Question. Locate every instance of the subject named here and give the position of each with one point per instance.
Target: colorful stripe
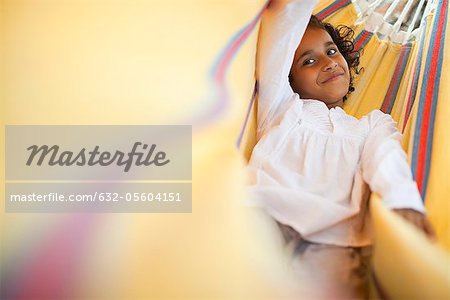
(54, 264)
(247, 116)
(219, 70)
(332, 8)
(415, 82)
(362, 39)
(423, 135)
(392, 92)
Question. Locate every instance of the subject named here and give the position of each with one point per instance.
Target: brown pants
(329, 271)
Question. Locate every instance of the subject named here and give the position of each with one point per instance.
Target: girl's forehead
(314, 38)
(315, 35)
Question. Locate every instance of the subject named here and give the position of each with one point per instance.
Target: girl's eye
(308, 61)
(332, 51)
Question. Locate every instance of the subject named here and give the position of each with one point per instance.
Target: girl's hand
(418, 219)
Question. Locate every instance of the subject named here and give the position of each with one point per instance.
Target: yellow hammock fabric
(403, 80)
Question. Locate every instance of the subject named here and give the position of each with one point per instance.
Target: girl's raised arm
(282, 27)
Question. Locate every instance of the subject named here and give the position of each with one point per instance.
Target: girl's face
(319, 71)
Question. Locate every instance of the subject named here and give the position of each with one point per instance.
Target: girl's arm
(385, 168)
(282, 27)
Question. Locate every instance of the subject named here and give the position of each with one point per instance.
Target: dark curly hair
(343, 38)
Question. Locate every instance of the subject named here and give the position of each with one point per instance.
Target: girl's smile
(334, 77)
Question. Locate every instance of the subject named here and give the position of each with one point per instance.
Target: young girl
(313, 164)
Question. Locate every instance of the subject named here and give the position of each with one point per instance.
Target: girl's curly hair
(343, 38)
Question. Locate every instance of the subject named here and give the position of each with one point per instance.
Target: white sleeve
(282, 27)
(385, 167)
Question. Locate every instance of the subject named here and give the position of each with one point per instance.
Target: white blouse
(312, 166)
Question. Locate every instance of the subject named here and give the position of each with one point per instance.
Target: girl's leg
(338, 272)
(329, 271)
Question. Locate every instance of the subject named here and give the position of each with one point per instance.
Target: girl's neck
(339, 103)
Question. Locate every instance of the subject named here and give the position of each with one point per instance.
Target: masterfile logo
(152, 152)
(84, 157)
(98, 169)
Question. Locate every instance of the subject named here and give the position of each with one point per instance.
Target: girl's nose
(330, 65)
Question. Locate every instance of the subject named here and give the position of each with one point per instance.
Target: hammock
(406, 75)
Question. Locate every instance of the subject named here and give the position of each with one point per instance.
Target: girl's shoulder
(382, 124)
(378, 118)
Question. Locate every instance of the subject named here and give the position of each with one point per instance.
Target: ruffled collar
(317, 114)
(319, 106)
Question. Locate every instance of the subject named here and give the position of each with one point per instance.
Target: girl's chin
(337, 97)
(334, 99)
